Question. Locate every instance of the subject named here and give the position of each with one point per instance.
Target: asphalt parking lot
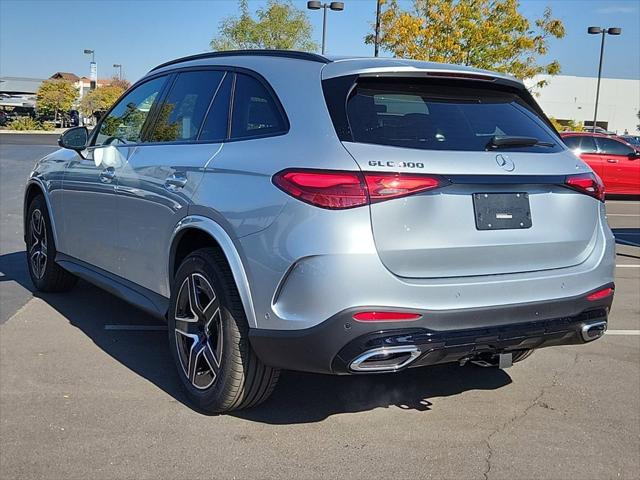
(80, 398)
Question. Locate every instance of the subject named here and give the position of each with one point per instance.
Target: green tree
(489, 34)
(277, 26)
(100, 99)
(55, 96)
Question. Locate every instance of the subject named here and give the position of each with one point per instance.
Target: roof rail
(311, 57)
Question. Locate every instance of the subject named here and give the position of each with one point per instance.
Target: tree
(489, 34)
(100, 99)
(278, 26)
(121, 83)
(55, 96)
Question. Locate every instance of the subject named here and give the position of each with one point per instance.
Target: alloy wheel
(38, 244)
(198, 331)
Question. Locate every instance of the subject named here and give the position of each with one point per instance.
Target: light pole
(603, 32)
(93, 68)
(376, 49)
(119, 67)
(336, 6)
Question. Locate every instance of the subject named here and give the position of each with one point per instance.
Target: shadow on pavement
(627, 236)
(298, 398)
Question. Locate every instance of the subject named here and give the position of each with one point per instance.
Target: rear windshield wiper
(505, 141)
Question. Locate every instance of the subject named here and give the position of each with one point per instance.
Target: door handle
(107, 175)
(612, 160)
(176, 181)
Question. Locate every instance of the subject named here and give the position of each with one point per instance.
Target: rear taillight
(587, 183)
(338, 189)
(385, 186)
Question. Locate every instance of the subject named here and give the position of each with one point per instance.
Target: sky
(41, 37)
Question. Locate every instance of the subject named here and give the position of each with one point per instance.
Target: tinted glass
(216, 123)
(581, 144)
(180, 115)
(255, 112)
(613, 147)
(124, 123)
(426, 116)
(573, 143)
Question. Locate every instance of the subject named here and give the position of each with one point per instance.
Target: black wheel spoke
(187, 327)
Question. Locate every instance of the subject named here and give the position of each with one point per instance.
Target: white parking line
(623, 215)
(628, 266)
(624, 332)
(148, 328)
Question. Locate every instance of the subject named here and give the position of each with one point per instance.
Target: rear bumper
(438, 337)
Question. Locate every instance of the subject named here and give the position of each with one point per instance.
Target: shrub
(24, 123)
(28, 123)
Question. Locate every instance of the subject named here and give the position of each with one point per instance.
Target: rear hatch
(501, 204)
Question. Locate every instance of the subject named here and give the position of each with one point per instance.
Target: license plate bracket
(502, 211)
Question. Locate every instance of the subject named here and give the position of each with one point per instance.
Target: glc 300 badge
(377, 163)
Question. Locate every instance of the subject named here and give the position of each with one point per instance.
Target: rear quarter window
(417, 114)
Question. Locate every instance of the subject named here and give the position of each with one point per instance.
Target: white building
(568, 98)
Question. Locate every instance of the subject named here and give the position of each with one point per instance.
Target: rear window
(416, 114)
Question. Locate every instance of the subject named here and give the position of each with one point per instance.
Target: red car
(614, 160)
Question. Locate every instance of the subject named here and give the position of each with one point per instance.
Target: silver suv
(284, 210)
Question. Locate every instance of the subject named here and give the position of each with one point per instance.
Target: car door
(90, 181)
(622, 166)
(156, 187)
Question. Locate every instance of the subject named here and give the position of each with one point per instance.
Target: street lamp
(119, 67)
(376, 48)
(93, 68)
(603, 32)
(336, 6)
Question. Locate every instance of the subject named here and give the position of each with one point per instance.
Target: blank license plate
(501, 211)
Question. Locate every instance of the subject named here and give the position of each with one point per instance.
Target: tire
(45, 273)
(209, 337)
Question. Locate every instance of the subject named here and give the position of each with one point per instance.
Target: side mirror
(75, 138)
(635, 155)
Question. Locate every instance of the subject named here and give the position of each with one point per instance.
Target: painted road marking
(628, 266)
(623, 214)
(624, 332)
(147, 328)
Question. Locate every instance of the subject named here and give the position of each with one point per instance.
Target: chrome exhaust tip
(385, 359)
(591, 331)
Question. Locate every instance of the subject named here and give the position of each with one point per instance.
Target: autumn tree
(489, 34)
(277, 26)
(121, 83)
(55, 96)
(100, 99)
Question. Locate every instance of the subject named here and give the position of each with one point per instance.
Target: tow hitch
(500, 360)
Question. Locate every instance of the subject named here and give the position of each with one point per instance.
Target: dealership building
(567, 98)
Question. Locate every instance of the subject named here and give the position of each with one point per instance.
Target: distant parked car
(632, 140)
(598, 130)
(613, 159)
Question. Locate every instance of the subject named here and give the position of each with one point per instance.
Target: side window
(613, 147)
(124, 123)
(180, 116)
(587, 145)
(255, 111)
(573, 143)
(217, 121)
